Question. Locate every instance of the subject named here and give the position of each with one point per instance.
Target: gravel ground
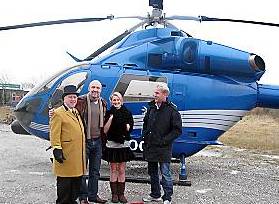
(218, 174)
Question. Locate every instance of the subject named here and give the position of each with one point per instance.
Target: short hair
(163, 87)
(97, 82)
(117, 94)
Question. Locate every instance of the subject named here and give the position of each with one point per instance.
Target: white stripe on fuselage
(213, 119)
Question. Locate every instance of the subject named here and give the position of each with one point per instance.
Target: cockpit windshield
(48, 83)
(77, 78)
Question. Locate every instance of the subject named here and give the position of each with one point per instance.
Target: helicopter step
(146, 180)
(182, 174)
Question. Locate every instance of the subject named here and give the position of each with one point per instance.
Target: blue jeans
(94, 156)
(167, 182)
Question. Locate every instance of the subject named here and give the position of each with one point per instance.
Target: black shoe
(97, 200)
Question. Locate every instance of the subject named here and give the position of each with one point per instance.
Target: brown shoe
(122, 199)
(98, 200)
(84, 202)
(121, 189)
(114, 198)
(114, 195)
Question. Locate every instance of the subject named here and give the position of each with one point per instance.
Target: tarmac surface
(218, 174)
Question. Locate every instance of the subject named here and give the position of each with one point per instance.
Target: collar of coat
(152, 104)
(71, 112)
(66, 107)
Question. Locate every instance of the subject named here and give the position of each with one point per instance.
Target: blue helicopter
(212, 85)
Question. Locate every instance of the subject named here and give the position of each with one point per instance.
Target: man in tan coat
(68, 142)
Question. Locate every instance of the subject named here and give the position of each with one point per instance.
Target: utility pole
(3, 96)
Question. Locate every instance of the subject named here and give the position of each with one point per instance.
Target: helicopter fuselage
(212, 85)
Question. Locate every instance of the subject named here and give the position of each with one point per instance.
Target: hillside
(6, 114)
(258, 130)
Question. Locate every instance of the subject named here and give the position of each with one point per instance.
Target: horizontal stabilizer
(268, 96)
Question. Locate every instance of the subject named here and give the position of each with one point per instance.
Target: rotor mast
(156, 17)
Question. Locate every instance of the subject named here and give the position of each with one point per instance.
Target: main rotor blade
(130, 17)
(28, 25)
(107, 45)
(204, 18)
(185, 18)
(113, 42)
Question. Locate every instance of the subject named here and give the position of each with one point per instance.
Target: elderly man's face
(95, 90)
(70, 100)
(159, 96)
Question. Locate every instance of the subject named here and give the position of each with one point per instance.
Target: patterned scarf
(101, 108)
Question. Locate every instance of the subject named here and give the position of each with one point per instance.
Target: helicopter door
(137, 91)
(179, 91)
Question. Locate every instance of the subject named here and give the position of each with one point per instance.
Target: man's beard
(94, 97)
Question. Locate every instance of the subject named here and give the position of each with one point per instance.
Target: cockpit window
(78, 79)
(166, 45)
(138, 88)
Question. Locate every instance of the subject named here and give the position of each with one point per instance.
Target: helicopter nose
(26, 110)
(256, 62)
(18, 129)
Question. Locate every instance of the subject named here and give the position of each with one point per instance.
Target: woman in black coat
(118, 126)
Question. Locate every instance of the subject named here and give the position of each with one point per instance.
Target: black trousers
(67, 189)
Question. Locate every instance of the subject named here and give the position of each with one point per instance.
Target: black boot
(114, 192)
(121, 189)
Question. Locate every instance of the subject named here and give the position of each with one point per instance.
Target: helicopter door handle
(178, 93)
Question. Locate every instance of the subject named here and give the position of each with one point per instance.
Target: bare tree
(4, 79)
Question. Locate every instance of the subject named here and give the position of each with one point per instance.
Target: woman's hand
(108, 123)
(128, 127)
(111, 117)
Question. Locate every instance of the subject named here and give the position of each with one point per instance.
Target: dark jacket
(118, 131)
(82, 108)
(160, 128)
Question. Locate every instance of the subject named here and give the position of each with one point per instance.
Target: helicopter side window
(136, 88)
(155, 59)
(161, 54)
(166, 45)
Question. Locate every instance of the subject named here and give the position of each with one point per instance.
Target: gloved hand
(58, 155)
